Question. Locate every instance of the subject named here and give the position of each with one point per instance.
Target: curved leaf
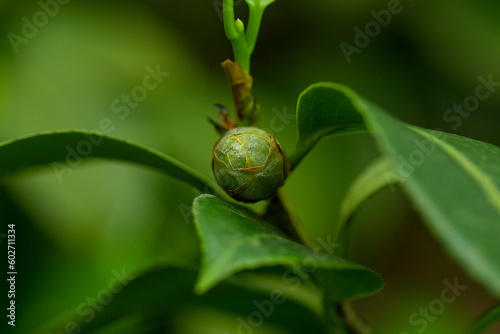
(454, 181)
(234, 239)
(65, 150)
(375, 177)
(313, 123)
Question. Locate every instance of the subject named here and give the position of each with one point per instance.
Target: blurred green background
(107, 215)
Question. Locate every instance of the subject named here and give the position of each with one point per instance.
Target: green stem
(240, 47)
(341, 318)
(279, 211)
(298, 154)
(343, 238)
(228, 16)
(334, 319)
(243, 43)
(254, 21)
(355, 323)
(235, 32)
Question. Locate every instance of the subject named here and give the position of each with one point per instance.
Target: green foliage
(234, 239)
(454, 181)
(65, 150)
(254, 255)
(323, 112)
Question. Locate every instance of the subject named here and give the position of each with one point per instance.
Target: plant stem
(254, 21)
(342, 318)
(279, 211)
(229, 25)
(243, 43)
(298, 154)
(343, 238)
(355, 322)
(235, 32)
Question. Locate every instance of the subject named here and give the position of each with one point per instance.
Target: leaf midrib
(229, 252)
(491, 192)
(462, 245)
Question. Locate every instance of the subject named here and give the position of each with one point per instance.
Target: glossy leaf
(234, 239)
(323, 111)
(66, 149)
(454, 181)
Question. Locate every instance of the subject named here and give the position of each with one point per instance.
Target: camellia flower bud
(249, 164)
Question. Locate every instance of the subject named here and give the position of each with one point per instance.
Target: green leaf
(65, 150)
(234, 239)
(491, 317)
(454, 181)
(160, 296)
(375, 177)
(313, 123)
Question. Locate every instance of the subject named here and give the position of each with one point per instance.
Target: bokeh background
(107, 215)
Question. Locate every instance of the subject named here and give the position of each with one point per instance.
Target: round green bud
(249, 164)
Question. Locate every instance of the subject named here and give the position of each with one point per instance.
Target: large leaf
(234, 239)
(157, 298)
(65, 151)
(454, 181)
